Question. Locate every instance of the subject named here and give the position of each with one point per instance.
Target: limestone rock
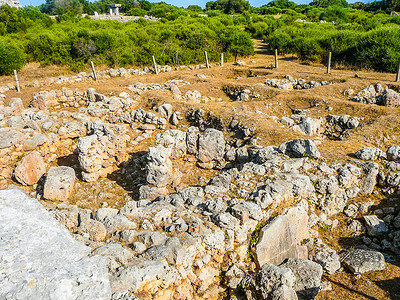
(325, 256)
(59, 183)
(211, 145)
(300, 148)
(370, 153)
(40, 259)
(393, 153)
(159, 167)
(281, 238)
(308, 277)
(30, 169)
(270, 282)
(361, 261)
(371, 172)
(375, 226)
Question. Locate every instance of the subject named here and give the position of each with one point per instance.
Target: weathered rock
(370, 154)
(16, 104)
(375, 226)
(361, 261)
(300, 148)
(325, 256)
(116, 255)
(59, 183)
(159, 168)
(94, 230)
(309, 126)
(390, 98)
(234, 276)
(334, 203)
(308, 277)
(282, 238)
(270, 282)
(165, 110)
(369, 181)
(124, 295)
(40, 259)
(211, 145)
(144, 274)
(393, 153)
(30, 169)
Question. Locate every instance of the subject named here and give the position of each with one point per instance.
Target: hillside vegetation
(361, 35)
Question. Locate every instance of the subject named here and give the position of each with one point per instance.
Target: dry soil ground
(380, 127)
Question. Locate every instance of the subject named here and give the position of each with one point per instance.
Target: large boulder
(159, 167)
(211, 145)
(40, 259)
(370, 153)
(308, 277)
(270, 282)
(59, 183)
(361, 261)
(30, 169)
(299, 148)
(282, 238)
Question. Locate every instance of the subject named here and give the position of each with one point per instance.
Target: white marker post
(17, 81)
(155, 65)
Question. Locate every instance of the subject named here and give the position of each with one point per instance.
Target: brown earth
(380, 127)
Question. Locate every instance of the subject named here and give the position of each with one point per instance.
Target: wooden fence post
(276, 58)
(398, 71)
(328, 68)
(207, 65)
(177, 59)
(17, 81)
(94, 71)
(222, 59)
(155, 65)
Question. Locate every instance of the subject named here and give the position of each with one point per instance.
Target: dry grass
(380, 126)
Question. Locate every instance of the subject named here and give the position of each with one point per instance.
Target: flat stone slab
(361, 261)
(39, 259)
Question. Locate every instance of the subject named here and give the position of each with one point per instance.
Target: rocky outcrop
(270, 282)
(40, 259)
(282, 238)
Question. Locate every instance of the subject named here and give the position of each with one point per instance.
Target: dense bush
(74, 42)
(11, 57)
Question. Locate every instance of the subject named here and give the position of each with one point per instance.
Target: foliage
(11, 57)
(228, 6)
(362, 35)
(326, 3)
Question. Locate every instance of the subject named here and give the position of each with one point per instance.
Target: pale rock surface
(281, 238)
(59, 183)
(361, 261)
(30, 169)
(40, 259)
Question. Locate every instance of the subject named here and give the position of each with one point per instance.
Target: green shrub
(11, 58)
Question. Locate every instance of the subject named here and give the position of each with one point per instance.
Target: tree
(195, 8)
(238, 42)
(326, 3)
(281, 4)
(229, 6)
(11, 58)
